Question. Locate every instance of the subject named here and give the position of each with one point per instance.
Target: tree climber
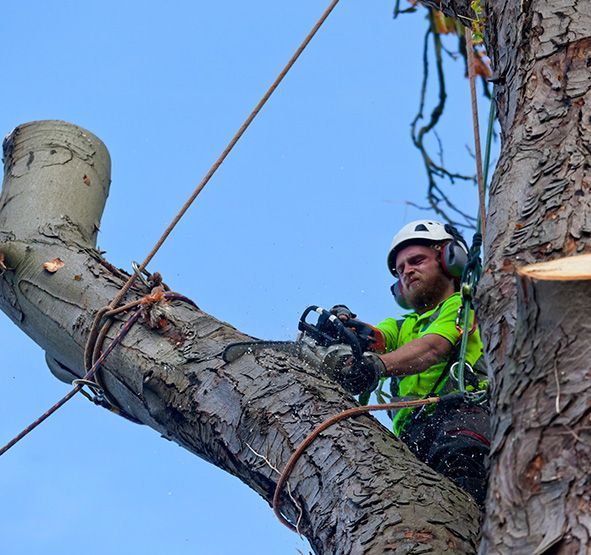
(427, 258)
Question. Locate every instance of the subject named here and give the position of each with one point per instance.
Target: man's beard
(427, 293)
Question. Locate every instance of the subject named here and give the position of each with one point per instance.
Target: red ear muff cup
(453, 259)
(396, 290)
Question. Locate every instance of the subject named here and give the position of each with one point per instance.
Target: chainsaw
(339, 350)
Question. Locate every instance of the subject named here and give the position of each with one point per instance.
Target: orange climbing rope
(355, 411)
(476, 125)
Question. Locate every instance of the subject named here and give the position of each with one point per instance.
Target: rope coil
(102, 323)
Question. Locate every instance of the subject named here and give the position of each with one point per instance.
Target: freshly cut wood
(572, 268)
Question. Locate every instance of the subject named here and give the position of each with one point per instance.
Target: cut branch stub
(68, 168)
(542, 426)
(573, 268)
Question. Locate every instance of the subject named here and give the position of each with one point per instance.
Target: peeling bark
(539, 200)
(356, 490)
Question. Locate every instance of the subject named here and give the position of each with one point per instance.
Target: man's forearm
(416, 356)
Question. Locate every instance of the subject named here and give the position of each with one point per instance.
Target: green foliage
(478, 22)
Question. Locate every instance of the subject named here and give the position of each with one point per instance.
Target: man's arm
(416, 356)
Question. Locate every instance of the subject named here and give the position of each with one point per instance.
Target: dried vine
(437, 173)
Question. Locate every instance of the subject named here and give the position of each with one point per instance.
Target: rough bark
(539, 210)
(539, 200)
(359, 490)
(540, 473)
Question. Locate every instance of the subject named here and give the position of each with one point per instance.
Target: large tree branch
(357, 489)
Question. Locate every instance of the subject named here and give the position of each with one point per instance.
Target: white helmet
(419, 231)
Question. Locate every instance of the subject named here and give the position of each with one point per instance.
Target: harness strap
(416, 414)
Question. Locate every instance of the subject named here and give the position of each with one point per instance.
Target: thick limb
(171, 375)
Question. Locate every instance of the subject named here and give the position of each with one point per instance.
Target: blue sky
(301, 213)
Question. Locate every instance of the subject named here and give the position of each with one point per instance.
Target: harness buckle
(453, 371)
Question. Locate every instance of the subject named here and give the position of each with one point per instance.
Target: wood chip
(53, 265)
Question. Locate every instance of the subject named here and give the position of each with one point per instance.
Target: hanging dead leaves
(53, 265)
(442, 24)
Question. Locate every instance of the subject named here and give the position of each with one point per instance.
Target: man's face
(423, 282)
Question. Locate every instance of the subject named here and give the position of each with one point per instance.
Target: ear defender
(396, 289)
(454, 255)
(453, 259)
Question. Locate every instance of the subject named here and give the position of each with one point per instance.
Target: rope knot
(155, 309)
(157, 295)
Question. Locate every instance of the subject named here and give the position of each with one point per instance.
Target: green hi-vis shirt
(441, 321)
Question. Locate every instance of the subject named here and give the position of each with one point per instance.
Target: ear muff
(453, 259)
(396, 289)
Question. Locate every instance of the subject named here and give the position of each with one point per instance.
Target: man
(427, 258)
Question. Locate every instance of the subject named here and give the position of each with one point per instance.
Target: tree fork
(357, 489)
(542, 436)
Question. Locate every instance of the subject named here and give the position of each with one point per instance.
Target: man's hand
(357, 377)
(372, 339)
(342, 312)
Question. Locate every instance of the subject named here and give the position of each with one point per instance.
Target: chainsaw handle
(305, 326)
(357, 325)
(311, 308)
(351, 339)
(344, 334)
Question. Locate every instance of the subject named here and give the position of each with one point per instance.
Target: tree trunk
(539, 210)
(356, 490)
(540, 473)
